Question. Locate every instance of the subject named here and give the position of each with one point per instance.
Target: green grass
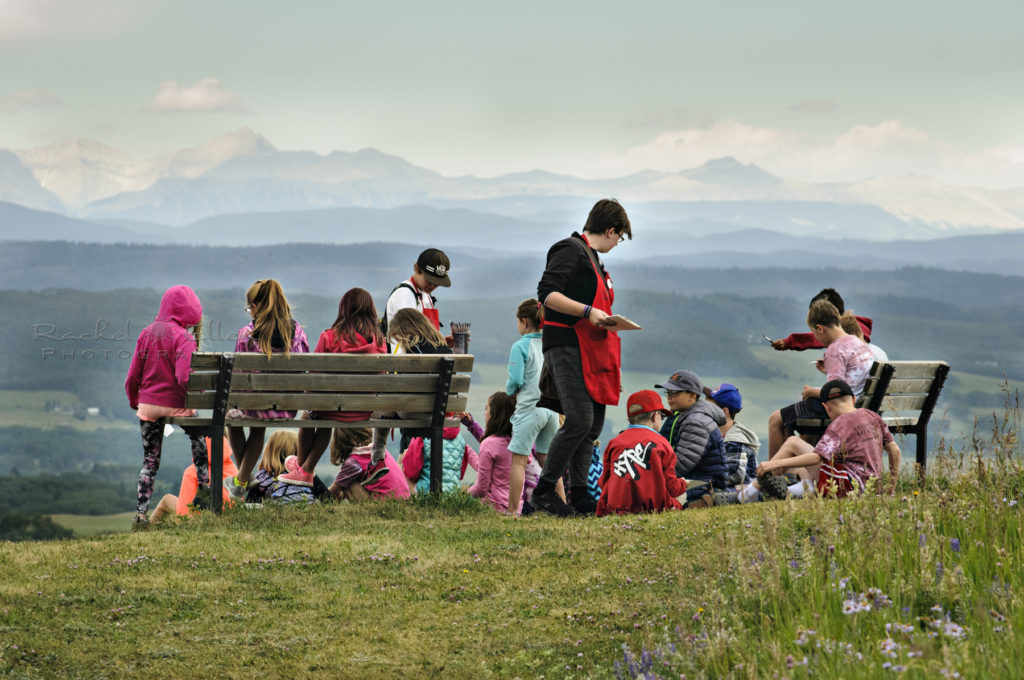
(426, 589)
(88, 525)
(27, 408)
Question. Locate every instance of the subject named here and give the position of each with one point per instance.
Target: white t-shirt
(403, 297)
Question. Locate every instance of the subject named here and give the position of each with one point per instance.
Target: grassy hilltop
(913, 585)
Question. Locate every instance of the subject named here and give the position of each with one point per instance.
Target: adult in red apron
(581, 356)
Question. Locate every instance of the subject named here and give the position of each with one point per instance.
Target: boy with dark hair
(693, 431)
(430, 271)
(638, 471)
(580, 353)
(802, 341)
(847, 456)
(847, 358)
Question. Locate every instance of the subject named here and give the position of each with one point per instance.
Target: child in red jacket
(639, 464)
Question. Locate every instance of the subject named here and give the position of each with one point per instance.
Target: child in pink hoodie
(355, 331)
(155, 387)
(494, 470)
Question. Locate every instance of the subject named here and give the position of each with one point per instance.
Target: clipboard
(620, 323)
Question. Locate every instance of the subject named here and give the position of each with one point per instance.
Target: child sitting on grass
(845, 458)
(280, 446)
(847, 358)
(693, 431)
(496, 461)
(352, 449)
(455, 456)
(741, 443)
(639, 464)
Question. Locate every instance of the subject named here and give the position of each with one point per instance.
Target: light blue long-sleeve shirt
(524, 363)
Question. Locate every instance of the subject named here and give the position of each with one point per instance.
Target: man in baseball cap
(639, 465)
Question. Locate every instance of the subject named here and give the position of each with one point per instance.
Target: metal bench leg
(220, 407)
(444, 384)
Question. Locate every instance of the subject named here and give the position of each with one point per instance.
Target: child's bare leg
(251, 455)
(321, 438)
(236, 437)
(776, 433)
(516, 479)
(560, 489)
(356, 493)
(165, 507)
(304, 443)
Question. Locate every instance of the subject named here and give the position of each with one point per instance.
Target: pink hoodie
(160, 366)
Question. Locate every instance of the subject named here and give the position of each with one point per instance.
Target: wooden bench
(422, 387)
(904, 394)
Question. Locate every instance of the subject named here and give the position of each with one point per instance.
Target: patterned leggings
(152, 445)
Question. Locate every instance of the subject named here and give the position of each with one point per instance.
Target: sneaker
(773, 487)
(299, 478)
(234, 489)
(726, 498)
(141, 523)
(550, 503)
(705, 501)
(375, 472)
(202, 499)
(584, 506)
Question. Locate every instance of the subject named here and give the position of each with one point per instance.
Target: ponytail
(532, 311)
(273, 318)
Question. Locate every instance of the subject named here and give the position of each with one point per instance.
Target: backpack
(383, 323)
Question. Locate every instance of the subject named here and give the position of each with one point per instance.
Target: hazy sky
(809, 90)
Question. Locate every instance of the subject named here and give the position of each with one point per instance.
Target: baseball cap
(435, 267)
(834, 389)
(683, 381)
(728, 396)
(645, 401)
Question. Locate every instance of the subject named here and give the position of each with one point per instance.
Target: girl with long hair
(354, 331)
(271, 331)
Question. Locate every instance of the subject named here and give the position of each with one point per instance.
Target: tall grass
(923, 584)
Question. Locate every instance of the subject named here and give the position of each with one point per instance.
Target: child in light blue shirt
(533, 427)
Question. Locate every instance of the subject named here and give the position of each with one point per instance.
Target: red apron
(429, 312)
(600, 349)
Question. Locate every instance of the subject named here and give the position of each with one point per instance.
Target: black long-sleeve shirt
(570, 273)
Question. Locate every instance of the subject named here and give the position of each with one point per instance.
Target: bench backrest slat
(354, 363)
(327, 382)
(293, 401)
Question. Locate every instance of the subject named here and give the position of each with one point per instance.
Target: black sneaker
(773, 487)
(375, 472)
(550, 503)
(202, 499)
(584, 505)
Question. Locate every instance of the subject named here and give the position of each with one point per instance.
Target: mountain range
(243, 173)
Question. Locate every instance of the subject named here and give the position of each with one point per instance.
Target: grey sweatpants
(573, 446)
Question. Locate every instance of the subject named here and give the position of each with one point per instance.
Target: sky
(817, 91)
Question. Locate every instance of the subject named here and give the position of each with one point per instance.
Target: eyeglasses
(672, 393)
(621, 238)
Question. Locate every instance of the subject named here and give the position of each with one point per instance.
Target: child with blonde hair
(271, 331)
(281, 445)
